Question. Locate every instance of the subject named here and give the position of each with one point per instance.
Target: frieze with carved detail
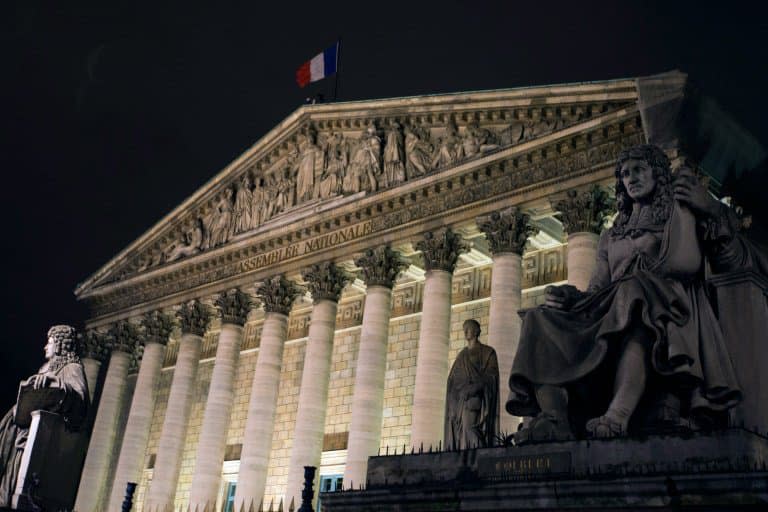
(314, 166)
(514, 176)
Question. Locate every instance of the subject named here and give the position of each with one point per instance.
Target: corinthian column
(157, 328)
(102, 449)
(583, 215)
(95, 352)
(234, 307)
(277, 295)
(380, 270)
(506, 232)
(325, 282)
(441, 250)
(193, 318)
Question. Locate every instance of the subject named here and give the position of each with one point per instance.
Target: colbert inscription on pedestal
(506, 466)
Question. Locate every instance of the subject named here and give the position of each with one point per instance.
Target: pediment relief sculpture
(318, 165)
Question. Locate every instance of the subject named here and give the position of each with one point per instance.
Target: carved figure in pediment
(394, 156)
(221, 224)
(285, 191)
(189, 244)
(310, 164)
(512, 134)
(448, 147)
(367, 161)
(330, 184)
(241, 221)
(417, 152)
(272, 192)
(337, 154)
(478, 140)
(258, 203)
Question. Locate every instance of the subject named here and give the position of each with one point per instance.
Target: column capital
(441, 249)
(157, 327)
(584, 210)
(326, 281)
(234, 306)
(95, 345)
(278, 293)
(506, 230)
(194, 317)
(381, 266)
(124, 337)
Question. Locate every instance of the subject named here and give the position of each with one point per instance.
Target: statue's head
(62, 340)
(471, 328)
(643, 174)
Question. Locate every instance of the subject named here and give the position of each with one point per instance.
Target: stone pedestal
(742, 310)
(581, 258)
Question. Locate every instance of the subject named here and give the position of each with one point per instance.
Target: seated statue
(588, 361)
(59, 387)
(472, 401)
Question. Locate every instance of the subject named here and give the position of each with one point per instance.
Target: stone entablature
(349, 224)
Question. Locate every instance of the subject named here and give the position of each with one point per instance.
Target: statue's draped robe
(73, 407)
(649, 278)
(472, 399)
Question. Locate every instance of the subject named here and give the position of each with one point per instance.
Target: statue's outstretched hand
(689, 191)
(41, 380)
(562, 297)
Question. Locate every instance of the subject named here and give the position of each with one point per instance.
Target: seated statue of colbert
(589, 361)
(59, 387)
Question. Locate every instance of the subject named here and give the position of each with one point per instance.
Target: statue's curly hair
(663, 197)
(66, 346)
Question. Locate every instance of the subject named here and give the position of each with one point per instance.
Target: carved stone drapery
(441, 249)
(234, 306)
(326, 281)
(157, 327)
(124, 337)
(95, 345)
(278, 293)
(381, 266)
(585, 210)
(506, 230)
(194, 317)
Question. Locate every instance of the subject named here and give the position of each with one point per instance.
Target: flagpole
(338, 72)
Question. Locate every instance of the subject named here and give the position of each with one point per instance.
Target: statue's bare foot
(544, 427)
(606, 426)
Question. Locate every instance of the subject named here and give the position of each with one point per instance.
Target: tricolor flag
(320, 66)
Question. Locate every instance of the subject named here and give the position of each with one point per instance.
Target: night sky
(114, 115)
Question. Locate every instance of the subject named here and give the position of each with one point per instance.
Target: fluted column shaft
(432, 361)
(504, 322)
(581, 258)
(162, 489)
(368, 394)
(259, 425)
(218, 408)
(134, 446)
(313, 395)
(103, 445)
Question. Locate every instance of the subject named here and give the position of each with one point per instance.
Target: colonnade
(102, 489)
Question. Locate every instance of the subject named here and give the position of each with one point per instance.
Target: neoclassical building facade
(304, 306)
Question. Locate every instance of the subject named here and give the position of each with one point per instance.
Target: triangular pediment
(327, 155)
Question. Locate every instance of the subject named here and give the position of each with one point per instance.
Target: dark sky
(114, 115)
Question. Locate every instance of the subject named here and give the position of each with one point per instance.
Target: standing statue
(394, 157)
(367, 160)
(243, 207)
(259, 203)
(310, 164)
(417, 153)
(472, 400)
(59, 387)
(448, 148)
(643, 327)
(222, 222)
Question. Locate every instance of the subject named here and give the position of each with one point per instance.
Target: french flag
(320, 66)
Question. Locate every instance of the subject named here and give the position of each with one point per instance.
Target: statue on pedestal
(589, 363)
(472, 401)
(59, 387)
